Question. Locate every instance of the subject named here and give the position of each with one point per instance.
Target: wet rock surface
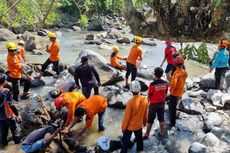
(6, 35)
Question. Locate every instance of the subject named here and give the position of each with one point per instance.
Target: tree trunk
(48, 12)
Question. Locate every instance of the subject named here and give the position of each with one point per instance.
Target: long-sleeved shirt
(73, 99)
(135, 113)
(178, 82)
(135, 54)
(222, 59)
(113, 60)
(7, 108)
(54, 52)
(93, 105)
(14, 66)
(87, 75)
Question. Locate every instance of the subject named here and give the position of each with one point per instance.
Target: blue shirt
(221, 60)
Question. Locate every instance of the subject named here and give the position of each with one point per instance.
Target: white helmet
(135, 86)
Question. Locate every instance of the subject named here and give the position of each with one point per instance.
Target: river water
(72, 43)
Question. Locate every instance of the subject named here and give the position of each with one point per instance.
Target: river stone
(43, 32)
(125, 40)
(210, 140)
(191, 106)
(6, 35)
(90, 37)
(104, 46)
(195, 94)
(3, 67)
(148, 42)
(145, 73)
(38, 52)
(213, 119)
(197, 147)
(36, 42)
(114, 33)
(37, 83)
(208, 81)
(225, 99)
(101, 23)
(215, 96)
(76, 28)
(227, 79)
(210, 108)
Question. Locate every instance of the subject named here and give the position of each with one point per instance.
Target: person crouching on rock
(156, 96)
(131, 62)
(94, 105)
(39, 139)
(176, 88)
(114, 57)
(88, 76)
(15, 72)
(135, 118)
(220, 62)
(53, 50)
(8, 114)
(71, 100)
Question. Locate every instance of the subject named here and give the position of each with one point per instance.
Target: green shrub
(84, 21)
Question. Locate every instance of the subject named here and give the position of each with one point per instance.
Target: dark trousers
(131, 69)
(126, 138)
(87, 91)
(47, 63)
(172, 110)
(15, 86)
(101, 118)
(218, 74)
(4, 128)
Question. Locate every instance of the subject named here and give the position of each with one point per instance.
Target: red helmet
(179, 60)
(59, 102)
(168, 42)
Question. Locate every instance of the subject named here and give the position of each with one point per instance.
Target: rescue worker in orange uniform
(71, 100)
(8, 114)
(94, 105)
(53, 50)
(114, 57)
(176, 88)
(21, 51)
(134, 55)
(15, 72)
(135, 118)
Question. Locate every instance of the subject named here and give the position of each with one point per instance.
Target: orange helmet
(59, 102)
(224, 43)
(179, 60)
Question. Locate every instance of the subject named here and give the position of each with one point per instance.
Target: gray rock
(3, 67)
(145, 73)
(222, 132)
(225, 99)
(210, 108)
(215, 96)
(99, 24)
(212, 120)
(90, 37)
(195, 94)
(191, 106)
(6, 35)
(114, 33)
(89, 42)
(125, 40)
(76, 28)
(148, 42)
(208, 81)
(35, 42)
(43, 32)
(38, 52)
(37, 83)
(197, 147)
(105, 46)
(210, 140)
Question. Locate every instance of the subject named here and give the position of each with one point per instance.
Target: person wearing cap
(15, 72)
(54, 58)
(131, 62)
(157, 93)
(176, 88)
(39, 139)
(71, 100)
(88, 76)
(220, 62)
(22, 52)
(114, 57)
(8, 114)
(90, 107)
(170, 50)
(135, 118)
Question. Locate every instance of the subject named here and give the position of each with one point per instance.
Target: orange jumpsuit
(54, 52)
(113, 60)
(135, 53)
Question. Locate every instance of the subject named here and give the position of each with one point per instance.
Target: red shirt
(157, 91)
(169, 52)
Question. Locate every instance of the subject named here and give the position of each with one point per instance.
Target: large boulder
(114, 33)
(76, 28)
(197, 147)
(6, 35)
(210, 140)
(99, 24)
(222, 132)
(208, 81)
(191, 106)
(195, 94)
(123, 40)
(148, 42)
(215, 96)
(212, 120)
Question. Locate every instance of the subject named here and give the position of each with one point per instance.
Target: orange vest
(135, 53)
(93, 105)
(73, 99)
(113, 61)
(178, 82)
(54, 52)
(14, 66)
